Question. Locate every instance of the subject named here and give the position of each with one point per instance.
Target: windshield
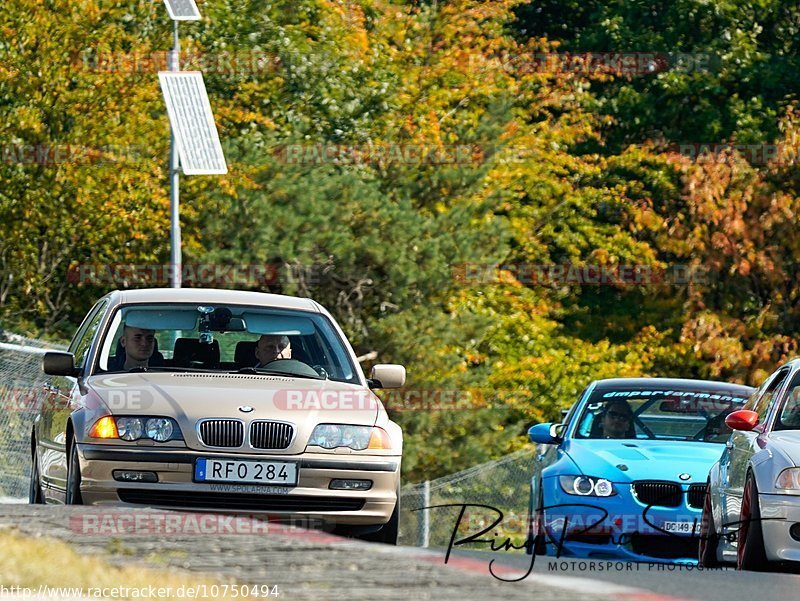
(188, 337)
(667, 414)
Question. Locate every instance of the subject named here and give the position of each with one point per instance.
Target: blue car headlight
(586, 486)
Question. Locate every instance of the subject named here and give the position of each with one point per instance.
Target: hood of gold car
(191, 397)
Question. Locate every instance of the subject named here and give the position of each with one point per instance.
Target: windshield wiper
(273, 372)
(290, 374)
(135, 370)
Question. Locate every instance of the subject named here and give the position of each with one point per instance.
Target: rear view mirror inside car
(678, 406)
(236, 324)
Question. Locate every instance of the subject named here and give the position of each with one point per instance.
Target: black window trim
(777, 385)
(777, 408)
(97, 311)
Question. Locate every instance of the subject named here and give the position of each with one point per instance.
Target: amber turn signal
(105, 427)
(379, 439)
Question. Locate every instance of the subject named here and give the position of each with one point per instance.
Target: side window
(766, 400)
(570, 415)
(753, 399)
(588, 421)
(83, 340)
(790, 412)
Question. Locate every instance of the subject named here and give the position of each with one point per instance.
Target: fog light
(350, 484)
(130, 476)
(794, 531)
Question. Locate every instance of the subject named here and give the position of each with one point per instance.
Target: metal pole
(425, 521)
(176, 259)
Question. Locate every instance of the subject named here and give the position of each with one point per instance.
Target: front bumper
(176, 489)
(618, 527)
(779, 513)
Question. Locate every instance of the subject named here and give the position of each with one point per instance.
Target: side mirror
(59, 364)
(387, 375)
(742, 420)
(545, 433)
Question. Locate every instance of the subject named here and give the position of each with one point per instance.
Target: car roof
(214, 296)
(673, 383)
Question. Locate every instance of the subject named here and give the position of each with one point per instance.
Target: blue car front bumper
(619, 527)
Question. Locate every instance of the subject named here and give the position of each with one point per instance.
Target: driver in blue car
(617, 421)
(272, 347)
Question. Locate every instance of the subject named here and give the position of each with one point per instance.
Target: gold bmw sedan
(223, 401)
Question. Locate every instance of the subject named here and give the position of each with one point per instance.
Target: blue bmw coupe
(624, 476)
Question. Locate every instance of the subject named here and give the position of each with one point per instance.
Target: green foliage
(740, 63)
(74, 192)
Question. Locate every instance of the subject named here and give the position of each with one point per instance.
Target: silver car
(223, 401)
(751, 514)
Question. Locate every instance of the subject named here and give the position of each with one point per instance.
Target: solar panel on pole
(193, 122)
(182, 10)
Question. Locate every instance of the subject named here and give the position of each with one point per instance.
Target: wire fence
(487, 490)
(21, 396)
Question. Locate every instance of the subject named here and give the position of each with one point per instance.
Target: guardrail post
(423, 525)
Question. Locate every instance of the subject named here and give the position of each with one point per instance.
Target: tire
(750, 554)
(73, 496)
(390, 531)
(35, 494)
(536, 544)
(709, 538)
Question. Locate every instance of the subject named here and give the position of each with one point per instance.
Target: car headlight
(586, 486)
(789, 479)
(160, 429)
(130, 428)
(358, 438)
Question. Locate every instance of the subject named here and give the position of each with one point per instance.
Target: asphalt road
(317, 566)
(305, 565)
(684, 582)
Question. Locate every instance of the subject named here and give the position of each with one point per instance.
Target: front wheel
(709, 538)
(536, 543)
(35, 495)
(73, 496)
(390, 531)
(750, 554)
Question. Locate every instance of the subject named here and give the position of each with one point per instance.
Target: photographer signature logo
(729, 532)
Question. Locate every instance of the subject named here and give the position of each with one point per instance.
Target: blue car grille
(589, 539)
(664, 547)
(696, 495)
(656, 493)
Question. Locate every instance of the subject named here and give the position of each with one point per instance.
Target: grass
(31, 563)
